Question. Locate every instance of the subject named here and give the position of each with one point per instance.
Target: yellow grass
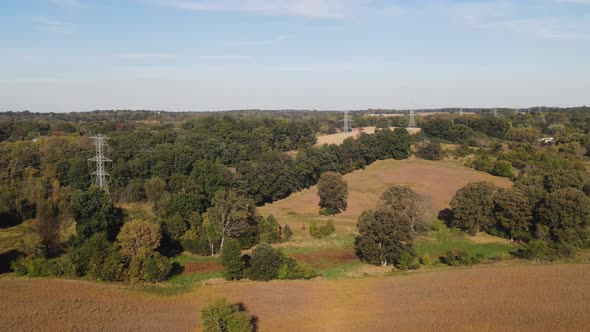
(435, 181)
(340, 137)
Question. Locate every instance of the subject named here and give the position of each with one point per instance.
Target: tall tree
(231, 214)
(513, 213)
(405, 200)
(472, 207)
(385, 235)
(95, 213)
(333, 192)
(566, 212)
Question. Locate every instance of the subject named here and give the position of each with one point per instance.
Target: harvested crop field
(539, 298)
(327, 258)
(435, 181)
(201, 267)
(340, 137)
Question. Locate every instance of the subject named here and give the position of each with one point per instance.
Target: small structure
(547, 140)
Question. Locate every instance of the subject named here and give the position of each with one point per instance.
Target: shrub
(503, 168)
(269, 230)
(457, 258)
(157, 268)
(287, 234)
(407, 261)
(231, 258)
(322, 231)
(290, 269)
(265, 263)
(430, 151)
(220, 316)
(112, 268)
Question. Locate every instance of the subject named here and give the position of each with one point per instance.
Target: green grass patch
(443, 239)
(341, 271)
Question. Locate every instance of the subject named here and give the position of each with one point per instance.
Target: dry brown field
(502, 298)
(340, 137)
(435, 181)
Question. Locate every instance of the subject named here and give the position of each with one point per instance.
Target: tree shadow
(446, 216)
(9, 220)
(176, 269)
(6, 258)
(253, 318)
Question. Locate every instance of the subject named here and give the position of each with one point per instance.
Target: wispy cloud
(509, 17)
(49, 24)
(304, 8)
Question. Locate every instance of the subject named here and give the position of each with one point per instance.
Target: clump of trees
(333, 193)
(387, 233)
(430, 151)
(549, 224)
(219, 315)
(264, 264)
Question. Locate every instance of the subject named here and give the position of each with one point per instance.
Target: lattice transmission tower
(346, 125)
(100, 175)
(412, 123)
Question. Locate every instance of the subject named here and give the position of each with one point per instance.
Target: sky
(207, 55)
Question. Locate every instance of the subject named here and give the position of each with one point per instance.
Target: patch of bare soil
(327, 258)
(201, 267)
(507, 298)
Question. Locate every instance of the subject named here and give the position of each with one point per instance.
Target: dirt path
(541, 298)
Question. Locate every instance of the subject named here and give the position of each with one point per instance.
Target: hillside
(435, 181)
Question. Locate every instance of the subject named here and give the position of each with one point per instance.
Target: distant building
(547, 140)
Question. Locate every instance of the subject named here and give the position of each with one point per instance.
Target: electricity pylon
(412, 123)
(100, 142)
(346, 126)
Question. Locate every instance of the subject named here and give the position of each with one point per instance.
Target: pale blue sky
(205, 55)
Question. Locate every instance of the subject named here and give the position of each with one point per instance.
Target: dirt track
(548, 298)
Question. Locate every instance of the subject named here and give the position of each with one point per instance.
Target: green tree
(139, 239)
(385, 235)
(405, 200)
(231, 214)
(231, 259)
(333, 192)
(564, 178)
(513, 213)
(287, 234)
(220, 316)
(430, 151)
(265, 263)
(321, 231)
(566, 212)
(472, 207)
(503, 168)
(154, 188)
(95, 213)
(269, 230)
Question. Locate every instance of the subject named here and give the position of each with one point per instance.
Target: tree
(333, 192)
(231, 259)
(405, 200)
(323, 230)
(513, 213)
(564, 178)
(385, 235)
(269, 230)
(220, 316)
(154, 188)
(95, 213)
(472, 207)
(430, 151)
(503, 168)
(566, 212)
(139, 239)
(287, 233)
(231, 214)
(265, 263)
